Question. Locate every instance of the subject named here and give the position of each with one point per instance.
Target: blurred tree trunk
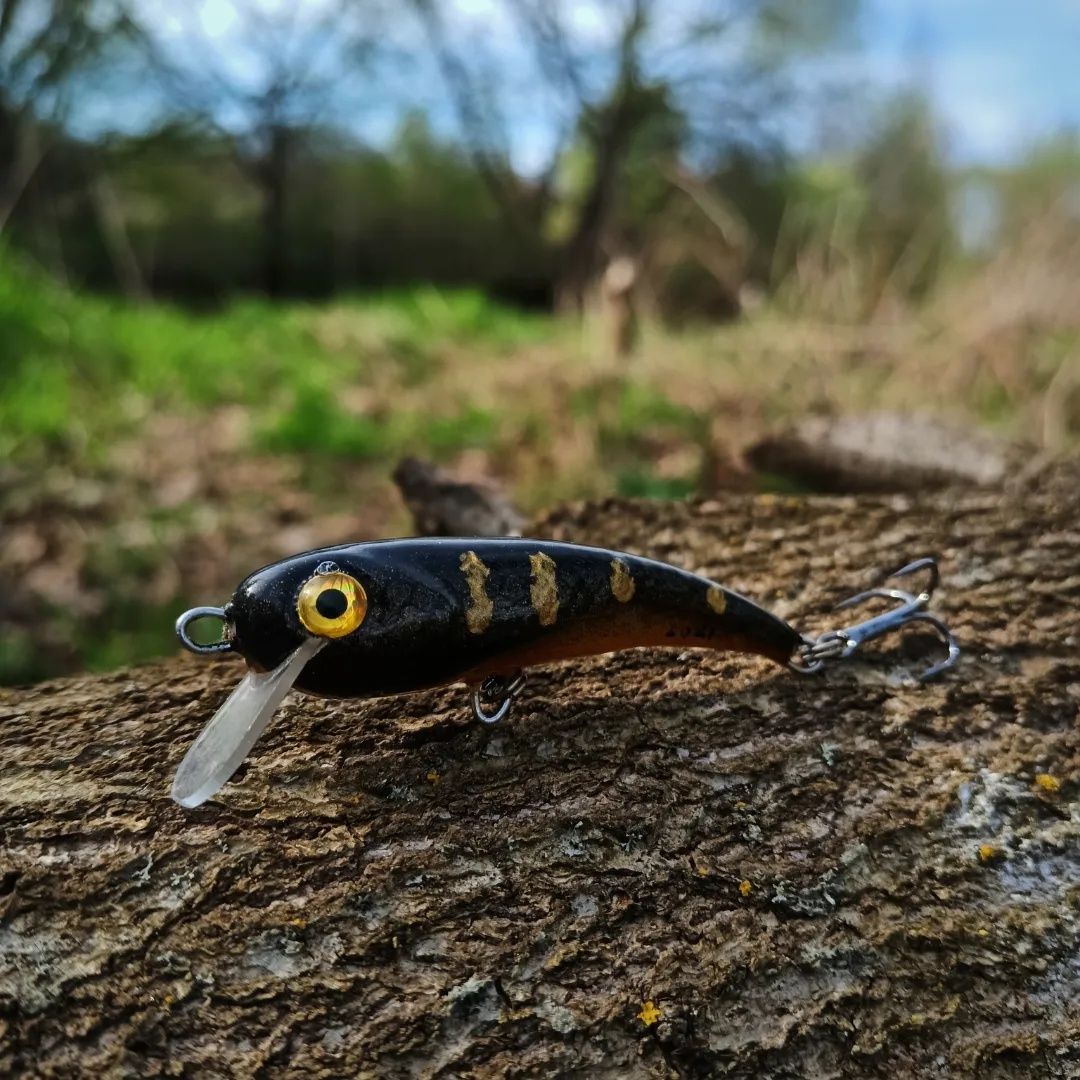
(610, 130)
(662, 865)
(27, 152)
(273, 177)
(583, 257)
(114, 232)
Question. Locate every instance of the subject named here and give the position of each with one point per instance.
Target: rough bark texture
(841, 876)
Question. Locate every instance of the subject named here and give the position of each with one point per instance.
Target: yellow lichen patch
(983, 932)
(649, 1014)
(432, 777)
(716, 598)
(741, 804)
(543, 591)
(745, 887)
(300, 924)
(701, 869)
(1047, 782)
(622, 583)
(510, 1016)
(478, 613)
(168, 1001)
(988, 853)
(561, 954)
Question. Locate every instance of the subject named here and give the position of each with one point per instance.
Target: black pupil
(331, 603)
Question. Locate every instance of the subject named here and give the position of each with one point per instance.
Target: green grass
(639, 483)
(314, 422)
(76, 371)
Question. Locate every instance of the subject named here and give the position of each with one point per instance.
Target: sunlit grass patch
(75, 366)
(642, 483)
(315, 421)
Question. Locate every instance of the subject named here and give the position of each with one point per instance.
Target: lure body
(400, 615)
(459, 610)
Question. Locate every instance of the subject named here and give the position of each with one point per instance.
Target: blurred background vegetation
(251, 253)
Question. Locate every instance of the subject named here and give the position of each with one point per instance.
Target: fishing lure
(401, 615)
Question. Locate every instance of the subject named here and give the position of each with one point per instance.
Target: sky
(1002, 74)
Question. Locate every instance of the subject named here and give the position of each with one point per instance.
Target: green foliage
(136, 633)
(634, 422)
(34, 392)
(1047, 181)
(627, 408)
(425, 316)
(471, 428)
(315, 422)
(78, 363)
(642, 409)
(656, 133)
(19, 662)
(641, 483)
(906, 225)
(78, 370)
(356, 218)
(871, 227)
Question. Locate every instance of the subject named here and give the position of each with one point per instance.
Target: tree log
(661, 865)
(880, 453)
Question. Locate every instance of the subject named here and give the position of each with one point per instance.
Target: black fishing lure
(401, 615)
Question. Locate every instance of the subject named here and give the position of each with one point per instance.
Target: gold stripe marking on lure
(543, 591)
(478, 613)
(622, 583)
(717, 599)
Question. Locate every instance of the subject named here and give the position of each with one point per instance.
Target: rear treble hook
(815, 653)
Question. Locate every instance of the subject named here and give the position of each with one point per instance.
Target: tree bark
(661, 865)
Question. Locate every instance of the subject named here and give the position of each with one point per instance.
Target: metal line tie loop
(194, 615)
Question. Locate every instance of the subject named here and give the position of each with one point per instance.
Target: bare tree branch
(43, 49)
(295, 81)
(477, 125)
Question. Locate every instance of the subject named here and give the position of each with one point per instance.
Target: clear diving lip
(234, 729)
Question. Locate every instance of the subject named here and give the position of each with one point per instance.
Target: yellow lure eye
(332, 605)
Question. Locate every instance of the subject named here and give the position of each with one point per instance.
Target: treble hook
(504, 687)
(815, 653)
